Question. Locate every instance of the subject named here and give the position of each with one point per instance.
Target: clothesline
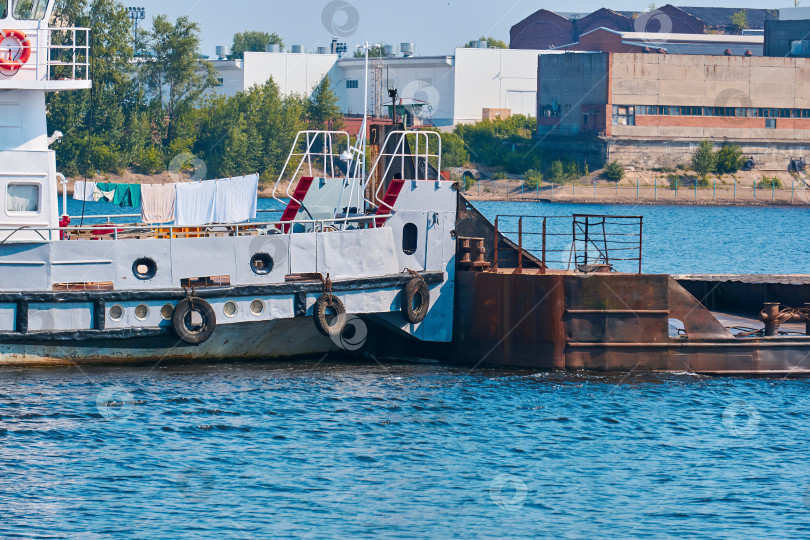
(225, 200)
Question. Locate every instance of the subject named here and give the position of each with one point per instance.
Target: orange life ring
(8, 63)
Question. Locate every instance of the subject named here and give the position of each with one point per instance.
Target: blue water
(319, 450)
(322, 450)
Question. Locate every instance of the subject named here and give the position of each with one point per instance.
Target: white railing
(115, 231)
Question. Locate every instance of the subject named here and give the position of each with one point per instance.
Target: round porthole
(116, 312)
(257, 307)
(144, 268)
(167, 311)
(230, 308)
(141, 311)
(261, 263)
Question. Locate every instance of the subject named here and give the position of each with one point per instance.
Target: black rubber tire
(416, 288)
(319, 312)
(183, 310)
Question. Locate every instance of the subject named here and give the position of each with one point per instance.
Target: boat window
(409, 238)
(3, 9)
(30, 10)
(22, 198)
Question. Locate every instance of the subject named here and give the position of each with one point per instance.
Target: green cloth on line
(135, 195)
(124, 194)
(105, 188)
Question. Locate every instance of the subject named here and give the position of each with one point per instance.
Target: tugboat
(146, 292)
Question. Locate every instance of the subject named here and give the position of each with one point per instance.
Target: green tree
(323, 107)
(454, 151)
(704, 160)
(253, 41)
(175, 75)
(739, 21)
(730, 159)
(492, 43)
(375, 51)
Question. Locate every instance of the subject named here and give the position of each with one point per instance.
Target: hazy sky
(436, 26)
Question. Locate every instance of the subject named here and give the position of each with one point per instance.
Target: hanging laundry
(195, 202)
(127, 195)
(104, 192)
(236, 199)
(83, 191)
(157, 204)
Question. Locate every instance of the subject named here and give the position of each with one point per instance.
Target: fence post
(714, 190)
(792, 184)
(637, 181)
(522, 183)
(594, 190)
(656, 189)
(773, 190)
(573, 190)
(552, 191)
(755, 191)
(676, 188)
(735, 190)
(696, 183)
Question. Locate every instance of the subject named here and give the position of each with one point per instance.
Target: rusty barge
(513, 308)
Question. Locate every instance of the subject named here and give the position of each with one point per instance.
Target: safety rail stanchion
(520, 246)
(543, 269)
(640, 236)
(495, 257)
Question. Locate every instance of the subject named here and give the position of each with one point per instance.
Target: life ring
(183, 325)
(338, 324)
(8, 63)
(415, 300)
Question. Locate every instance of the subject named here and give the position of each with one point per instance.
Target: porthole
(230, 308)
(257, 307)
(144, 268)
(141, 311)
(261, 264)
(166, 312)
(410, 235)
(116, 312)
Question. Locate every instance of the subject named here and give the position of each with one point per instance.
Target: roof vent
(273, 47)
(406, 49)
(297, 49)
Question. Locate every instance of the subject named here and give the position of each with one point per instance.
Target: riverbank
(752, 188)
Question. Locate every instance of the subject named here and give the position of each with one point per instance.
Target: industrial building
(432, 90)
(546, 29)
(651, 110)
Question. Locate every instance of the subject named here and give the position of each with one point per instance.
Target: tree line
(152, 100)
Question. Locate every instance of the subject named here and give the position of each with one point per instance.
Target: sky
(435, 26)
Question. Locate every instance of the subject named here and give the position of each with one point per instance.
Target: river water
(320, 449)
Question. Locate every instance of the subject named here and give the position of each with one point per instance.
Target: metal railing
(115, 231)
(581, 242)
(68, 54)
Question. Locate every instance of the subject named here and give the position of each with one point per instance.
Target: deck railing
(581, 242)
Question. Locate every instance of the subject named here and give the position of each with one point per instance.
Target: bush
(151, 161)
(534, 178)
(770, 183)
(454, 151)
(613, 171)
(704, 159)
(730, 159)
(499, 175)
(557, 170)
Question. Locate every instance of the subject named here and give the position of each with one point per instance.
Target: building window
(352, 83)
(624, 115)
(22, 198)
(800, 47)
(770, 123)
(549, 110)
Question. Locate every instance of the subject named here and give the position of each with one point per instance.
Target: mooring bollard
(768, 316)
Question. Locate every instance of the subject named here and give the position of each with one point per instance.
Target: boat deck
(740, 323)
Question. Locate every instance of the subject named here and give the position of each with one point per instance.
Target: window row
(741, 112)
(24, 10)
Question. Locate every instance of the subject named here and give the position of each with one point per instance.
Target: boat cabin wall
(28, 197)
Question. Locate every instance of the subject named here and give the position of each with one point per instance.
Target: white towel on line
(194, 204)
(158, 202)
(83, 191)
(236, 199)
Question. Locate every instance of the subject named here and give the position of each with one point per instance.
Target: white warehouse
(442, 90)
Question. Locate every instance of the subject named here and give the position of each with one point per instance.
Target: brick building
(546, 29)
(651, 110)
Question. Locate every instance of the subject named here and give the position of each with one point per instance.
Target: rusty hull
(606, 322)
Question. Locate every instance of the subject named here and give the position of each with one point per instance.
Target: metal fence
(663, 191)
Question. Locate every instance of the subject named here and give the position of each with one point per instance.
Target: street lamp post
(136, 14)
